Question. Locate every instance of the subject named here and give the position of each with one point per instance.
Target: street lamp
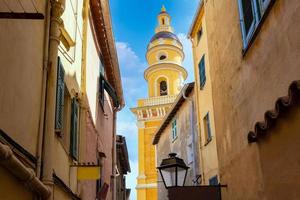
(173, 171)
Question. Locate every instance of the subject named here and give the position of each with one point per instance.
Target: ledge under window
(208, 141)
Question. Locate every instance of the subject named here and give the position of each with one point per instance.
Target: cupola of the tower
(164, 21)
(165, 55)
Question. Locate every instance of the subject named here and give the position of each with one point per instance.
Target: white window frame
(264, 5)
(247, 37)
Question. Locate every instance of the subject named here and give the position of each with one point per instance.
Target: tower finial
(163, 8)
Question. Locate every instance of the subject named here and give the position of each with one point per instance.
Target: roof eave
(188, 88)
(105, 39)
(198, 12)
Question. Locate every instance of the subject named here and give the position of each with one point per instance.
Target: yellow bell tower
(165, 76)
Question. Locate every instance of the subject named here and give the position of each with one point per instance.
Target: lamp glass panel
(181, 176)
(168, 175)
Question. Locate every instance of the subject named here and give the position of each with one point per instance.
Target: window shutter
(208, 127)
(202, 72)
(175, 128)
(60, 92)
(74, 130)
(101, 89)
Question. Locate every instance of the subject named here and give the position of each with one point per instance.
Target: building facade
(253, 49)
(178, 134)
(205, 109)
(164, 76)
(48, 121)
(21, 105)
(123, 167)
(102, 97)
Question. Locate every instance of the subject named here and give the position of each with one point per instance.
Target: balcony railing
(152, 101)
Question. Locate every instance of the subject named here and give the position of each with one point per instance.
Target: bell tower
(165, 76)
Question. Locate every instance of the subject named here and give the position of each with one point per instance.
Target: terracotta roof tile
(282, 105)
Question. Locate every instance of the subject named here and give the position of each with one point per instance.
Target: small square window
(214, 180)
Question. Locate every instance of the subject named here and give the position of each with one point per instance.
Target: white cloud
(128, 58)
(127, 128)
(188, 60)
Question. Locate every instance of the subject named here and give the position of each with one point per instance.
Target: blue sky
(134, 22)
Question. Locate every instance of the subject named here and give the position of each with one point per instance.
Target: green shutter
(174, 129)
(101, 89)
(60, 93)
(74, 129)
(202, 72)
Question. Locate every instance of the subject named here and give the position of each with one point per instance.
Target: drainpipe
(114, 155)
(26, 175)
(57, 8)
(198, 121)
(43, 98)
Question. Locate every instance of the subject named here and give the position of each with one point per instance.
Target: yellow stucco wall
(208, 151)
(246, 85)
(169, 75)
(11, 188)
(21, 78)
(173, 53)
(147, 168)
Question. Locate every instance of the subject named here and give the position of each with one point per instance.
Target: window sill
(208, 141)
(258, 28)
(202, 87)
(174, 139)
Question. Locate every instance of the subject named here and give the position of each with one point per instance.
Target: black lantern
(173, 171)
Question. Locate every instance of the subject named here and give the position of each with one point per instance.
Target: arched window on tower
(163, 21)
(163, 88)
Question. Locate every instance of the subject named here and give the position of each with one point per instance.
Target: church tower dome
(164, 55)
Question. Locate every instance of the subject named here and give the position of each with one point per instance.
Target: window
(264, 5)
(214, 180)
(60, 87)
(199, 34)
(207, 129)
(174, 129)
(162, 57)
(74, 129)
(101, 90)
(202, 75)
(251, 12)
(101, 83)
(101, 67)
(65, 133)
(163, 88)
(190, 153)
(163, 21)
